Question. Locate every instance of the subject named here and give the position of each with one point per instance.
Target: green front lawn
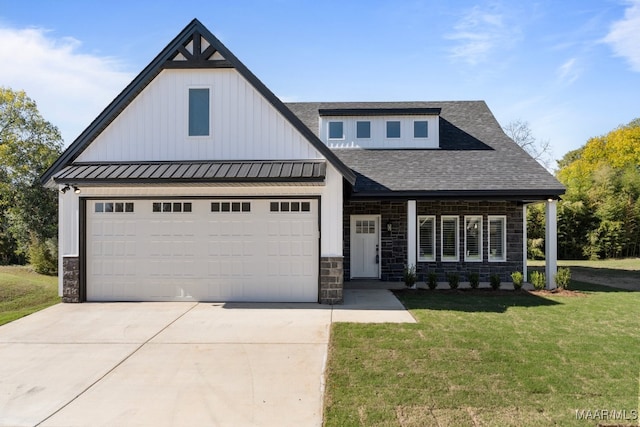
(480, 359)
(23, 292)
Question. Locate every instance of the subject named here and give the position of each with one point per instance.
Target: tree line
(599, 215)
(28, 212)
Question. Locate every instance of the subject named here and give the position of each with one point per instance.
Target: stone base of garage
(71, 279)
(331, 280)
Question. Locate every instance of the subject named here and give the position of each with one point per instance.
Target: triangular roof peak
(194, 47)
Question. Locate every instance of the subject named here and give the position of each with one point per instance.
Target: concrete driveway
(174, 364)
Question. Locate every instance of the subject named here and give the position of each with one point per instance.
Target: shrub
(517, 279)
(409, 275)
(454, 279)
(432, 280)
(538, 280)
(494, 280)
(43, 256)
(474, 280)
(562, 278)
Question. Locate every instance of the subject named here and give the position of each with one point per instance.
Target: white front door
(365, 246)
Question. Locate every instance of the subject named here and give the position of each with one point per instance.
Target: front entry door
(365, 246)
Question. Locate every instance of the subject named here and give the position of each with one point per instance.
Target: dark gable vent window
(199, 112)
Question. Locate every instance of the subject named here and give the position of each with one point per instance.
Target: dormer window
(363, 130)
(336, 130)
(420, 129)
(380, 128)
(393, 129)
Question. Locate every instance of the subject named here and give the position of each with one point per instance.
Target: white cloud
(477, 34)
(624, 35)
(569, 71)
(70, 88)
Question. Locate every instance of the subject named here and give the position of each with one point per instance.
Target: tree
(520, 132)
(28, 146)
(600, 212)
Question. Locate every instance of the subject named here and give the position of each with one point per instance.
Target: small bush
(517, 278)
(538, 280)
(494, 280)
(43, 256)
(563, 277)
(409, 275)
(432, 280)
(454, 279)
(474, 280)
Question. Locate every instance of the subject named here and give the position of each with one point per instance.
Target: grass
(628, 264)
(23, 292)
(488, 360)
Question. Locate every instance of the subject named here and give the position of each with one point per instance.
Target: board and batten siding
(154, 127)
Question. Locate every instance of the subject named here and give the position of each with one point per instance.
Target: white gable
(244, 125)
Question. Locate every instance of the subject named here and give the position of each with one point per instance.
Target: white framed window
(449, 238)
(497, 238)
(363, 130)
(420, 129)
(426, 238)
(393, 129)
(473, 238)
(199, 112)
(336, 130)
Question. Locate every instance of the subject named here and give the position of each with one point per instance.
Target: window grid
(473, 238)
(497, 238)
(113, 207)
(449, 237)
(426, 238)
(365, 226)
(231, 206)
(175, 207)
(290, 206)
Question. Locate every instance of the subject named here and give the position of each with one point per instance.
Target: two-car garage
(202, 249)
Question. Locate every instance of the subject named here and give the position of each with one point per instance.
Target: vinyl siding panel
(244, 126)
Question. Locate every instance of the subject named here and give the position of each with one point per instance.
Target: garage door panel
(251, 255)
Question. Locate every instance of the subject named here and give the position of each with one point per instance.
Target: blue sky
(570, 68)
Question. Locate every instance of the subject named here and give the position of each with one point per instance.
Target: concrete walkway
(175, 364)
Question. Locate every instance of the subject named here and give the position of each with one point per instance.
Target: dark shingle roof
(475, 159)
(194, 172)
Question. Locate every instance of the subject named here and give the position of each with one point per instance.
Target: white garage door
(202, 250)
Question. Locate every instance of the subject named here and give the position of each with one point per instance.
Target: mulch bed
(486, 292)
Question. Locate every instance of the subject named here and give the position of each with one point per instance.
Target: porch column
(524, 242)
(551, 243)
(411, 233)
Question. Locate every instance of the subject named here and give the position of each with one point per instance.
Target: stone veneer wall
(71, 279)
(393, 255)
(331, 280)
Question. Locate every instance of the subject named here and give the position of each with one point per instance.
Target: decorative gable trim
(194, 47)
(197, 52)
